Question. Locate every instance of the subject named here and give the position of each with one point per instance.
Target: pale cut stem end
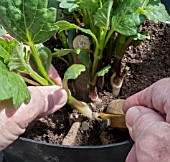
(116, 84)
(80, 106)
(94, 96)
(116, 89)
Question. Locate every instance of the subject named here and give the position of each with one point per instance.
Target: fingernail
(132, 116)
(60, 97)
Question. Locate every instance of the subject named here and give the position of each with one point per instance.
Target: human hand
(7, 36)
(148, 121)
(45, 100)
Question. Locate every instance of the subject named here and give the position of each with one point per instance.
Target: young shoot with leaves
(106, 22)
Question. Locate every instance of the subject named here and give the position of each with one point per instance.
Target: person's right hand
(148, 121)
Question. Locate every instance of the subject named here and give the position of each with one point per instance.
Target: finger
(150, 133)
(140, 118)
(44, 100)
(154, 97)
(7, 36)
(132, 155)
(9, 132)
(57, 98)
(53, 74)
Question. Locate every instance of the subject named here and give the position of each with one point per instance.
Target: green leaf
(71, 5)
(4, 54)
(140, 36)
(3, 66)
(64, 25)
(29, 21)
(8, 45)
(12, 86)
(104, 71)
(102, 16)
(125, 20)
(117, 3)
(6, 48)
(84, 58)
(154, 10)
(19, 60)
(45, 56)
(74, 5)
(74, 71)
(89, 4)
(83, 55)
(2, 31)
(55, 4)
(63, 52)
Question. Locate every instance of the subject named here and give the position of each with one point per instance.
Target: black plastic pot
(1, 156)
(25, 150)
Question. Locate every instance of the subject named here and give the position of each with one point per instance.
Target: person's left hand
(45, 100)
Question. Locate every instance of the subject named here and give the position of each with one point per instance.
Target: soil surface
(149, 61)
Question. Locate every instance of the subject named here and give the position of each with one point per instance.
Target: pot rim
(77, 147)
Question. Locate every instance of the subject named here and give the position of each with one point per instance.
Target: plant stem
(37, 77)
(93, 79)
(109, 35)
(121, 46)
(95, 63)
(85, 18)
(63, 40)
(119, 53)
(40, 67)
(29, 81)
(98, 54)
(92, 27)
(101, 4)
(80, 106)
(76, 18)
(110, 49)
(117, 78)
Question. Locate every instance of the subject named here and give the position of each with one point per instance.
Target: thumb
(55, 98)
(140, 118)
(44, 100)
(150, 133)
(53, 74)
(132, 155)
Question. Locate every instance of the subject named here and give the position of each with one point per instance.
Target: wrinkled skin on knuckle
(145, 122)
(153, 143)
(13, 122)
(9, 131)
(160, 95)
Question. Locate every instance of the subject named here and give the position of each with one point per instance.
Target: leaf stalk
(40, 67)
